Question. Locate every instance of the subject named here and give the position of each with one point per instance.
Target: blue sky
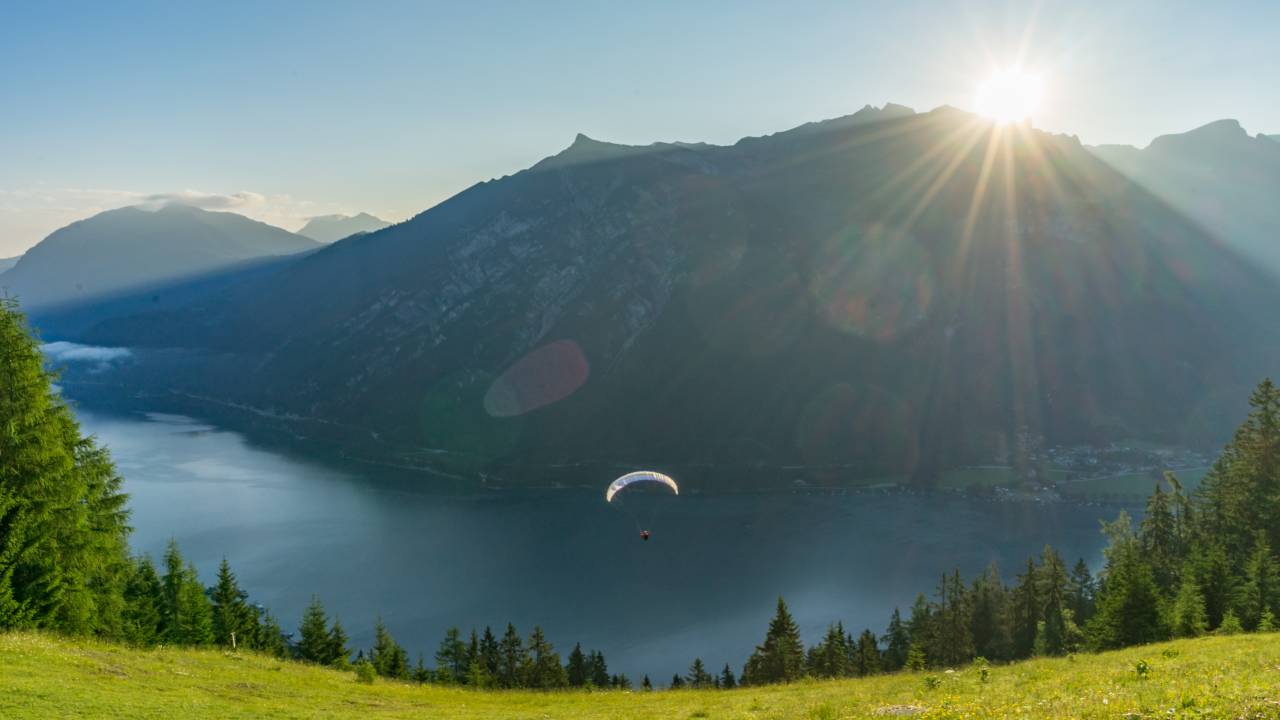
(313, 107)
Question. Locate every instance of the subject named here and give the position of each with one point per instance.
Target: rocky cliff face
(897, 294)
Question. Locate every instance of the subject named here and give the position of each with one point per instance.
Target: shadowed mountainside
(332, 228)
(896, 294)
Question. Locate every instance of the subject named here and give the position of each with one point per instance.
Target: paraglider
(644, 476)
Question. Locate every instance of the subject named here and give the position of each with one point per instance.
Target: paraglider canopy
(638, 477)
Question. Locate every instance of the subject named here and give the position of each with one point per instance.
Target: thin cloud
(240, 201)
(65, 353)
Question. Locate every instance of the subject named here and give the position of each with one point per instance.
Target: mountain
(6, 263)
(1219, 176)
(331, 228)
(132, 248)
(889, 297)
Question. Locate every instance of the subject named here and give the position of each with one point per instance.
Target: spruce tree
(781, 658)
(868, 654)
(390, 660)
(830, 657)
(897, 642)
(677, 682)
(188, 617)
(1052, 591)
(991, 622)
(143, 601)
(313, 634)
(1129, 607)
(920, 626)
(645, 684)
(421, 674)
(1082, 591)
(511, 659)
(235, 623)
(490, 654)
(1260, 591)
(1025, 612)
(598, 674)
(451, 657)
(953, 622)
(545, 673)
(698, 677)
(1187, 616)
(727, 680)
(63, 523)
(576, 667)
(1158, 540)
(336, 652)
(271, 639)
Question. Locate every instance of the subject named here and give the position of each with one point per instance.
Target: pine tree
(645, 684)
(336, 652)
(546, 673)
(991, 623)
(490, 654)
(1230, 625)
(897, 642)
(830, 657)
(144, 600)
(1260, 591)
(781, 658)
(313, 633)
(187, 616)
(677, 682)
(1158, 540)
(1129, 607)
(421, 674)
(727, 680)
(235, 624)
(576, 667)
(868, 654)
(953, 622)
(63, 523)
(920, 627)
(271, 638)
(698, 677)
(599, 669)
(390, 660)
(512, 659)
(1187, 614)
(451, 657)
(1082, 590)
(1025, 612)
(1052, 591)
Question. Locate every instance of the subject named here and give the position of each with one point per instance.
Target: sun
(1009, 95)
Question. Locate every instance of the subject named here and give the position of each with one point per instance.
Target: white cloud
(64, 353)
(238, 201)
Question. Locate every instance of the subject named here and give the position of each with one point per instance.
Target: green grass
(46, 677)
(1138, 484)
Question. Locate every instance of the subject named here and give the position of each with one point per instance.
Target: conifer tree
(1051, 590)
(451, 657)
(830, 657)
(1129, 608)
(698, 677)
(576, 667)
(390, 660)
(313, 634)
(271, 638)
(512, 659)
(599, 669)
(991, 624)
(1260, 591)
(781, 658)
(645, 684)
(545, 673)
(63, 523)
(920, 626)
(490, 654)
(421, 674)
(677, 682)
(727, 680)
(143, 602)
(897, 642)
(868, 654)
(1158, 540)
(1082, 592)
(1025, 612)
(188, 616)
(953, 622)
(336, 652)
(1187, 613)
(234, 622)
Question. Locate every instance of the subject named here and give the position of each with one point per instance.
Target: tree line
(1198, 562)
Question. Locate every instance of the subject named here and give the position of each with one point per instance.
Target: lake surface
(371, 541)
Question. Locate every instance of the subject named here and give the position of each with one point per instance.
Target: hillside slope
(131, 248)
(44, 677)
(874, 296)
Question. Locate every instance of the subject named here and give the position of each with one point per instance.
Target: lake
(373, 541)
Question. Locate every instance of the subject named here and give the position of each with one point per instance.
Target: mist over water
(371, 541)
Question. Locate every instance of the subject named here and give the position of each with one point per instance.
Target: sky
(284, 110)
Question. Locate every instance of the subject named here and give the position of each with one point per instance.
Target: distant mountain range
(1219, 176)
(890, 292)
(6, 263)
(132, 249)
(331, 228)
